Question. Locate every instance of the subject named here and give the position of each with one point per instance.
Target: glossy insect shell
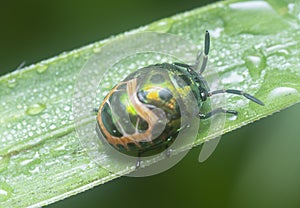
(142, 115)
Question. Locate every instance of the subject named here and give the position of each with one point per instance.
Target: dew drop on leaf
(256, 62)
(11, 82)
(52, 126)
(41, 69)
(35, 109)
(161, 26)
(282, 92)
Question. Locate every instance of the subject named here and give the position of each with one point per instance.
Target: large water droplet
(281, 92)
(255, 61)
(255, 64)
(35, 109)
(5, 191)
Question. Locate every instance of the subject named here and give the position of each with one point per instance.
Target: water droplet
(216, 33)
(232, 117)
(67, 108)
(52, 126)
(5, 191)
(161, 26)
(280, 49)
(11, 82)
(97, 49)
(41, 68)
(35, 170)
(255, 61)
(3, 163)
(255, 64)
(35, 109)
(281, 92)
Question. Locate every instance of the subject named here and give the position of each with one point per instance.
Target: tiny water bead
(52, 126)
(97, 49)
(35, 109)
(161, 26)
(41, 68)
(67, 108)
(12, 82)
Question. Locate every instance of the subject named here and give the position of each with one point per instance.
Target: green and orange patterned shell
(141, 115)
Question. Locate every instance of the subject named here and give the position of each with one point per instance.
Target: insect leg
(138, 161)
(216, 111)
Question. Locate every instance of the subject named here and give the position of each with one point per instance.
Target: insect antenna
(237, 92)
(206, 51)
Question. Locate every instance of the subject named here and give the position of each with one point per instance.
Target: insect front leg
(216, 111)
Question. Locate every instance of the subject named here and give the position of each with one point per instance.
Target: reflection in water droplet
(41, 69)
(282, 92)
(5, 191)
(35, 109)
(11, 82)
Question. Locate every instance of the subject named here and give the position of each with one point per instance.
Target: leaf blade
(46, 161)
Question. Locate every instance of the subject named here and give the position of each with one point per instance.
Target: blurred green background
(255, 166)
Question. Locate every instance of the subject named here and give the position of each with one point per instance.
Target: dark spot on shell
(132, 146)
(157, 78)
(165, 94)
(121, 147)
(108, 123)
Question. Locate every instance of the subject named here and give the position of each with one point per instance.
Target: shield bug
(141, 115)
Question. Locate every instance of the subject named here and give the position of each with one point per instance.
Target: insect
(141, 115)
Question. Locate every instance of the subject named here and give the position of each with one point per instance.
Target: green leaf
(255, 48)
